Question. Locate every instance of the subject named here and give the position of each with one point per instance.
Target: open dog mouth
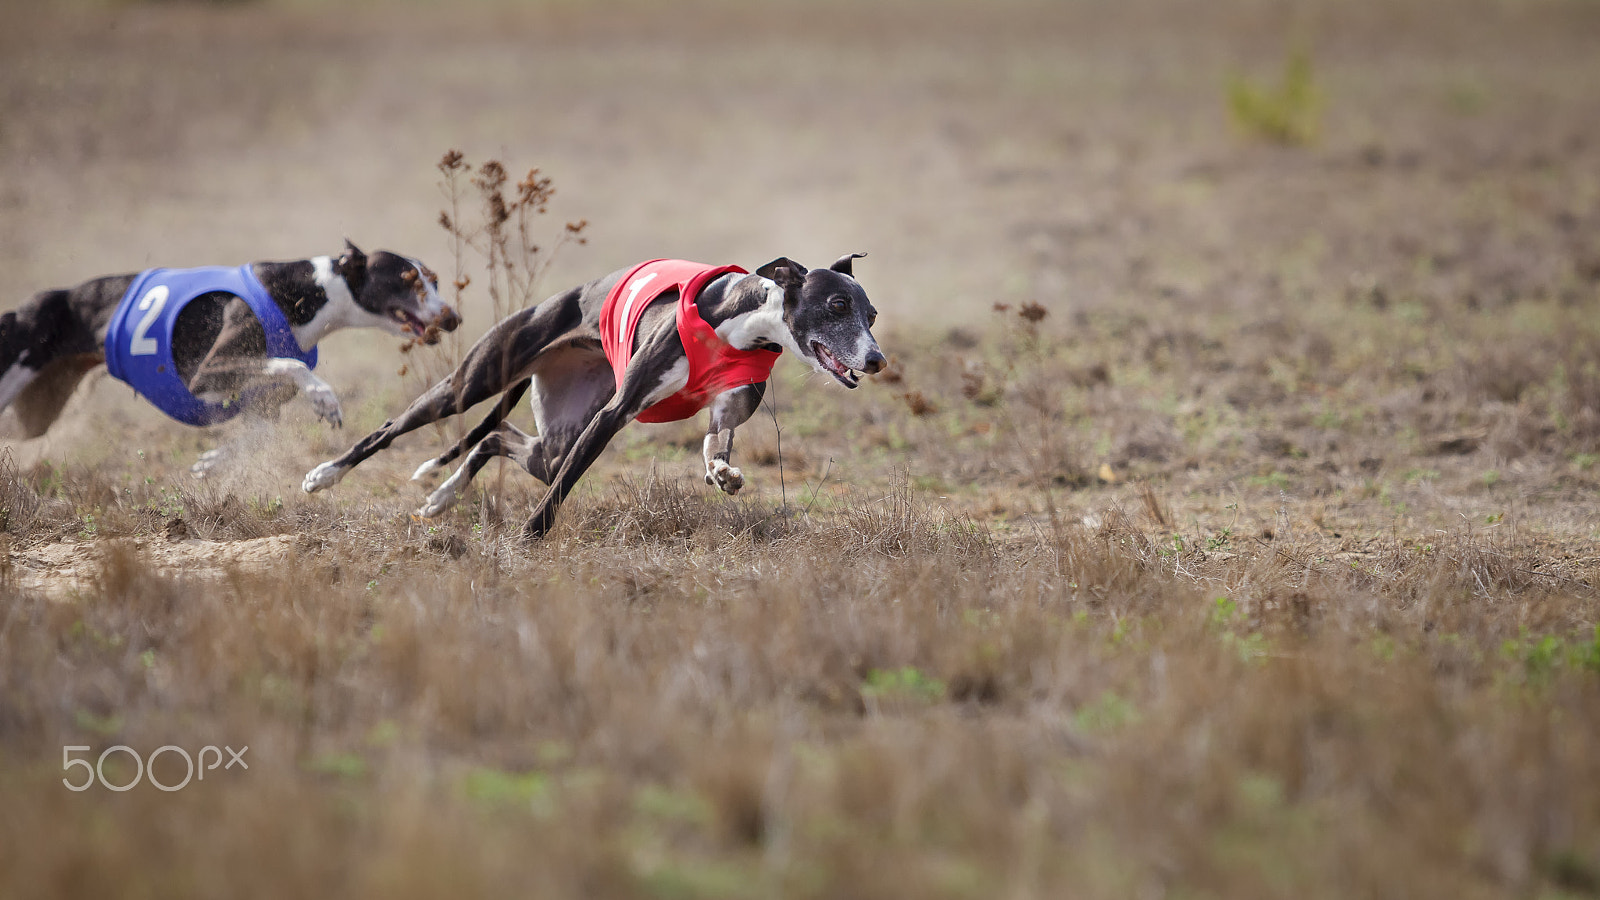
(420, 331)
(846, 375)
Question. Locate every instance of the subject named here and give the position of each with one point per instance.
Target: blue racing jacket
(139, 339)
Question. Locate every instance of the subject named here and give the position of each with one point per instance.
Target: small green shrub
(1287, 113)
(906, 683)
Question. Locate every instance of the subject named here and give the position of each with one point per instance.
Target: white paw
(326, 404)
(426, 469)
(324, 476)
(208, 462)
(724, 476)
(439, 501)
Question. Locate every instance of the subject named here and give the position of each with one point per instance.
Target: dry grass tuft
(657, 510)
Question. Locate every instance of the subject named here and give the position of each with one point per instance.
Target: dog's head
(829, 316)
(400, 291)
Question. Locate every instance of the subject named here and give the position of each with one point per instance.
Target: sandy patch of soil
(71, 567)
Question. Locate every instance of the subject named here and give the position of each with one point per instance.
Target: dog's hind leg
(508, 402)
(501, 358)
(13, 381)
(506, 440)
(32, 337)
(40, 402)
(47, 345)
(440, 401)
(657, 371)
(584, 452)
(17, 368)
(569, 389)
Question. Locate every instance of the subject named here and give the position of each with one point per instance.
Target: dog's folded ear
(784, 271)
(842, 264)
(352, 267)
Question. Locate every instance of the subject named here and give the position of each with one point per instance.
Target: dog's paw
(439, 501)
(724, 476)
(209, 462)
(426, 469)
(324, 476)
(326, 404)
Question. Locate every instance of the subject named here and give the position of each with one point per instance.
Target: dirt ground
(1227, 525)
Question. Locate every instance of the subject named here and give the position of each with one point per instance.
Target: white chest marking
(764, 324)
(339, 312)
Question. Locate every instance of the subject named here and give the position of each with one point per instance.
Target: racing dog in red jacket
(570, 351)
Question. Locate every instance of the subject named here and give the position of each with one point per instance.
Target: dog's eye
(872, 320)
(839, 305)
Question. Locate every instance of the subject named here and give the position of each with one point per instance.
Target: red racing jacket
(715, 365)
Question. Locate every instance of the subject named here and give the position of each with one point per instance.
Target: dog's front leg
(585, 450)
(322, 398)
(225, 376)
(728, 411)
(657, 370)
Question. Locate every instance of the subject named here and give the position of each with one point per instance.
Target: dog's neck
(315, 298)
(747, 312)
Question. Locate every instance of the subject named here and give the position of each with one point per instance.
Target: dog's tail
(12, 340)
(16, 340)
(508, 402)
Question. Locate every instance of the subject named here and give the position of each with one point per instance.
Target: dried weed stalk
(494, 223)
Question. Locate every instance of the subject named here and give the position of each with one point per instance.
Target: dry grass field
(1228, 525)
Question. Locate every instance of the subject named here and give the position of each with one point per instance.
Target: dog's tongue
(831, 361)
(844, 373)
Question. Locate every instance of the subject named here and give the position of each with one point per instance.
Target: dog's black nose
(875, 363)
(448, 320)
